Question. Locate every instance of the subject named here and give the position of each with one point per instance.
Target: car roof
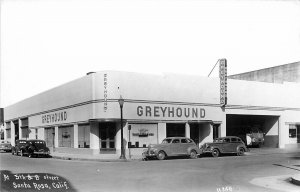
(228, 137)
(177, 138)
(5, 141)
(35, 140)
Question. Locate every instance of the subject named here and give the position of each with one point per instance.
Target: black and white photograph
(149, 95)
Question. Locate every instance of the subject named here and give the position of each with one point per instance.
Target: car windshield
(22, 142)
(166, 141)
(218, 140)
(39, 144)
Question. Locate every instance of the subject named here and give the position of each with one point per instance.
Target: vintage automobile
(19, 146)
(5, 146)
(32, 148)
(223, 145)
(172, 146)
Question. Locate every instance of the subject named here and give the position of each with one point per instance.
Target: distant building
(278, 74)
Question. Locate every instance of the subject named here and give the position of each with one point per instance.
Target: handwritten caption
(33, 182)
(225, 189)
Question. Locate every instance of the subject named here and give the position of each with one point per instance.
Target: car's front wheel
(193, 154)
(215, 153)
(161, 155)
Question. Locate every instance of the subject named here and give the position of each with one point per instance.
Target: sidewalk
(268, 151)
(97, 157)
(116, 157)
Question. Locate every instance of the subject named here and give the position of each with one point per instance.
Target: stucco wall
(250, 93)
(169, 88)
(74, 92)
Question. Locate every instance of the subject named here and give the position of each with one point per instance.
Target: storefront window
(83, 136)
(25, 132)
(141, 135)
(175, 130)
(8, 134)
(66, 136)
(292, 131)
(8, 130)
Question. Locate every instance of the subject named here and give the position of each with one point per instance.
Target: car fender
(216, 147)
(158, 150)
(241, 146)
(193, 148)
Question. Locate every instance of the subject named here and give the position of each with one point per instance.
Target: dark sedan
(5, 146)
(19, 146)
(223, 145)
(32, 148)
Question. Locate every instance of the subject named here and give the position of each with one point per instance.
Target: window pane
(292, 133)
(83, 136)
(65, 137)
(183, 141)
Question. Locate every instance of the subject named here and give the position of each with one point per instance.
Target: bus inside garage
(240, 125)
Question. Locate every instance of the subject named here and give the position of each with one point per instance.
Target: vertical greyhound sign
(223, 81)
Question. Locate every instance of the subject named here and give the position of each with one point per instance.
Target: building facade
(83, 116)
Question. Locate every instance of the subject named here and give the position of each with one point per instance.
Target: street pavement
(260, 171)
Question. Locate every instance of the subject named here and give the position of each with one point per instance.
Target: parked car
(172, 146)
(31, 148)
(5, 146)
(223, 145)
(19, 146)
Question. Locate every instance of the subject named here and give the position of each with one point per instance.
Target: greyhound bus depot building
(83, 116)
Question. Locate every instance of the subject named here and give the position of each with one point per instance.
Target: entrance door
(216, 131)
(194, 131)
(16, 130)
(107, 136)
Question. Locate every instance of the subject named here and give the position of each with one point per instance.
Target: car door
(185, 145)
(175, 147)
(233, 145)
(226, 146)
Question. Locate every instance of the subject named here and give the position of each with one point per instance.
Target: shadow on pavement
(17, 182)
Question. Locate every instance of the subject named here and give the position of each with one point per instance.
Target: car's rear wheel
(215, 153)
(193, 154)
(241, 151)
(161, 155)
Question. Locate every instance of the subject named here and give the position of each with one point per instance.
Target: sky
(46, 43)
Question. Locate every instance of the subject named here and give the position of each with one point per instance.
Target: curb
(95, 160)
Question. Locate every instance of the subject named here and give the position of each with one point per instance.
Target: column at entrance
(12, 133)
(187, 130)
(94, 137)
(75, 135)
